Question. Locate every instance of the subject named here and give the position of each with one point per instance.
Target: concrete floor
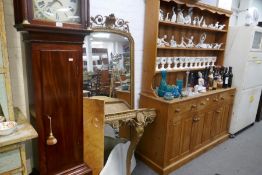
(239, 156)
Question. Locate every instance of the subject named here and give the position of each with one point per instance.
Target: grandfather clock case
(54, 67)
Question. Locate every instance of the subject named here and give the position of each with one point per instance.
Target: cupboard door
(197, 130)
(174, 137)
(216, 122)
(207, 126)
(226, 116)
(60, 77)
(186, 135)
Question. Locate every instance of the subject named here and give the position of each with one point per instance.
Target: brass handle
(202, 103)
(218, 111)
(196, 119)
(215, 100)
(177, 110)
(258, 62)
(194, 106)
(51, 140)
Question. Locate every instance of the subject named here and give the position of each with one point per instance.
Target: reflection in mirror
(3, 98)
(107, 70)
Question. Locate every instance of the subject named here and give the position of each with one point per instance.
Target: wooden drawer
(227, 97)
(183, 107)
(10, 160)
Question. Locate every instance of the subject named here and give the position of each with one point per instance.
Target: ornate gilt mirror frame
(4, 69)
(113, 25)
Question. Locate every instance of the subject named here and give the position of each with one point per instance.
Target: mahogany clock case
(24, 16)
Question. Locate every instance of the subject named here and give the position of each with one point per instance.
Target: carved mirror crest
(109, 59)
(6, 106)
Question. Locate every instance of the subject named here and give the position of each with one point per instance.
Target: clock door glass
(67, 11)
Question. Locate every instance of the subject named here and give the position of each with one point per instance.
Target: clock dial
(57, 10)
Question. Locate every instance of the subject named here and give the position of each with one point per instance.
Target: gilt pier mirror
(108, 60)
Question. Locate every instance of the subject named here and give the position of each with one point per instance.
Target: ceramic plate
(7, 128)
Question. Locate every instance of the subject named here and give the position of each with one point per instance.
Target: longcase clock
(54, 35)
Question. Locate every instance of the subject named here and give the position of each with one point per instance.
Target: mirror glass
(107, 68)
(3, 98)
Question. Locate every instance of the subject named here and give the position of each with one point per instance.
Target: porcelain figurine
(161, 41)
(183, 43)
(188, 17)
(173, 41)
(167, 17)
(190, 42)
(199, 21)
(217, 46)
(201, 43)
(216, 25)
(161, 15)
(194, 21)
(169, 62)
(211, 26)
(180, 17)
(204, 24)
(221, 27)
(201, 83)
(173, 19)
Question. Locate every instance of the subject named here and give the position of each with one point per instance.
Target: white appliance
(244, 54)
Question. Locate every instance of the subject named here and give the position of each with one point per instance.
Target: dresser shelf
(193, 49)
(190, 26)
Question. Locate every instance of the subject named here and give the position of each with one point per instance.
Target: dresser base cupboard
(184, 128)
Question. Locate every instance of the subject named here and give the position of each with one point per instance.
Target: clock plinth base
(82, 169)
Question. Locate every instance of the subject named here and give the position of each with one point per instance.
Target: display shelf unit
(184, 128)
(156, 29)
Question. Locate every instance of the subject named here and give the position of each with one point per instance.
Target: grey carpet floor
(239, 156)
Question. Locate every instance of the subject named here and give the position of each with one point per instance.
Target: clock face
(57, 10)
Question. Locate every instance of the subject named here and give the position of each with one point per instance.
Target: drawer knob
(196, 119)
(218, 111)
(215, 100)
(232, 95)
(202, 103)
(177, 110)
(222, 98)
(51, 140)
(194, 106)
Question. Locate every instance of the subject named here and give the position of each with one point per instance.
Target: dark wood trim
(82, 169)
(24, 11)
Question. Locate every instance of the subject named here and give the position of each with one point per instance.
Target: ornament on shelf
(173, 42)
(217, 46)
(183, 43)
(188, 17)
(194, 21)
(190, 42)
(204, 24)
(201, 43)
(167, 17)
(216, 25)
(173, 19)
(221, 27)
(161, 15)
(200, 87)
(182, 63)
(199, 21)
(161, 42)
(180, 17)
